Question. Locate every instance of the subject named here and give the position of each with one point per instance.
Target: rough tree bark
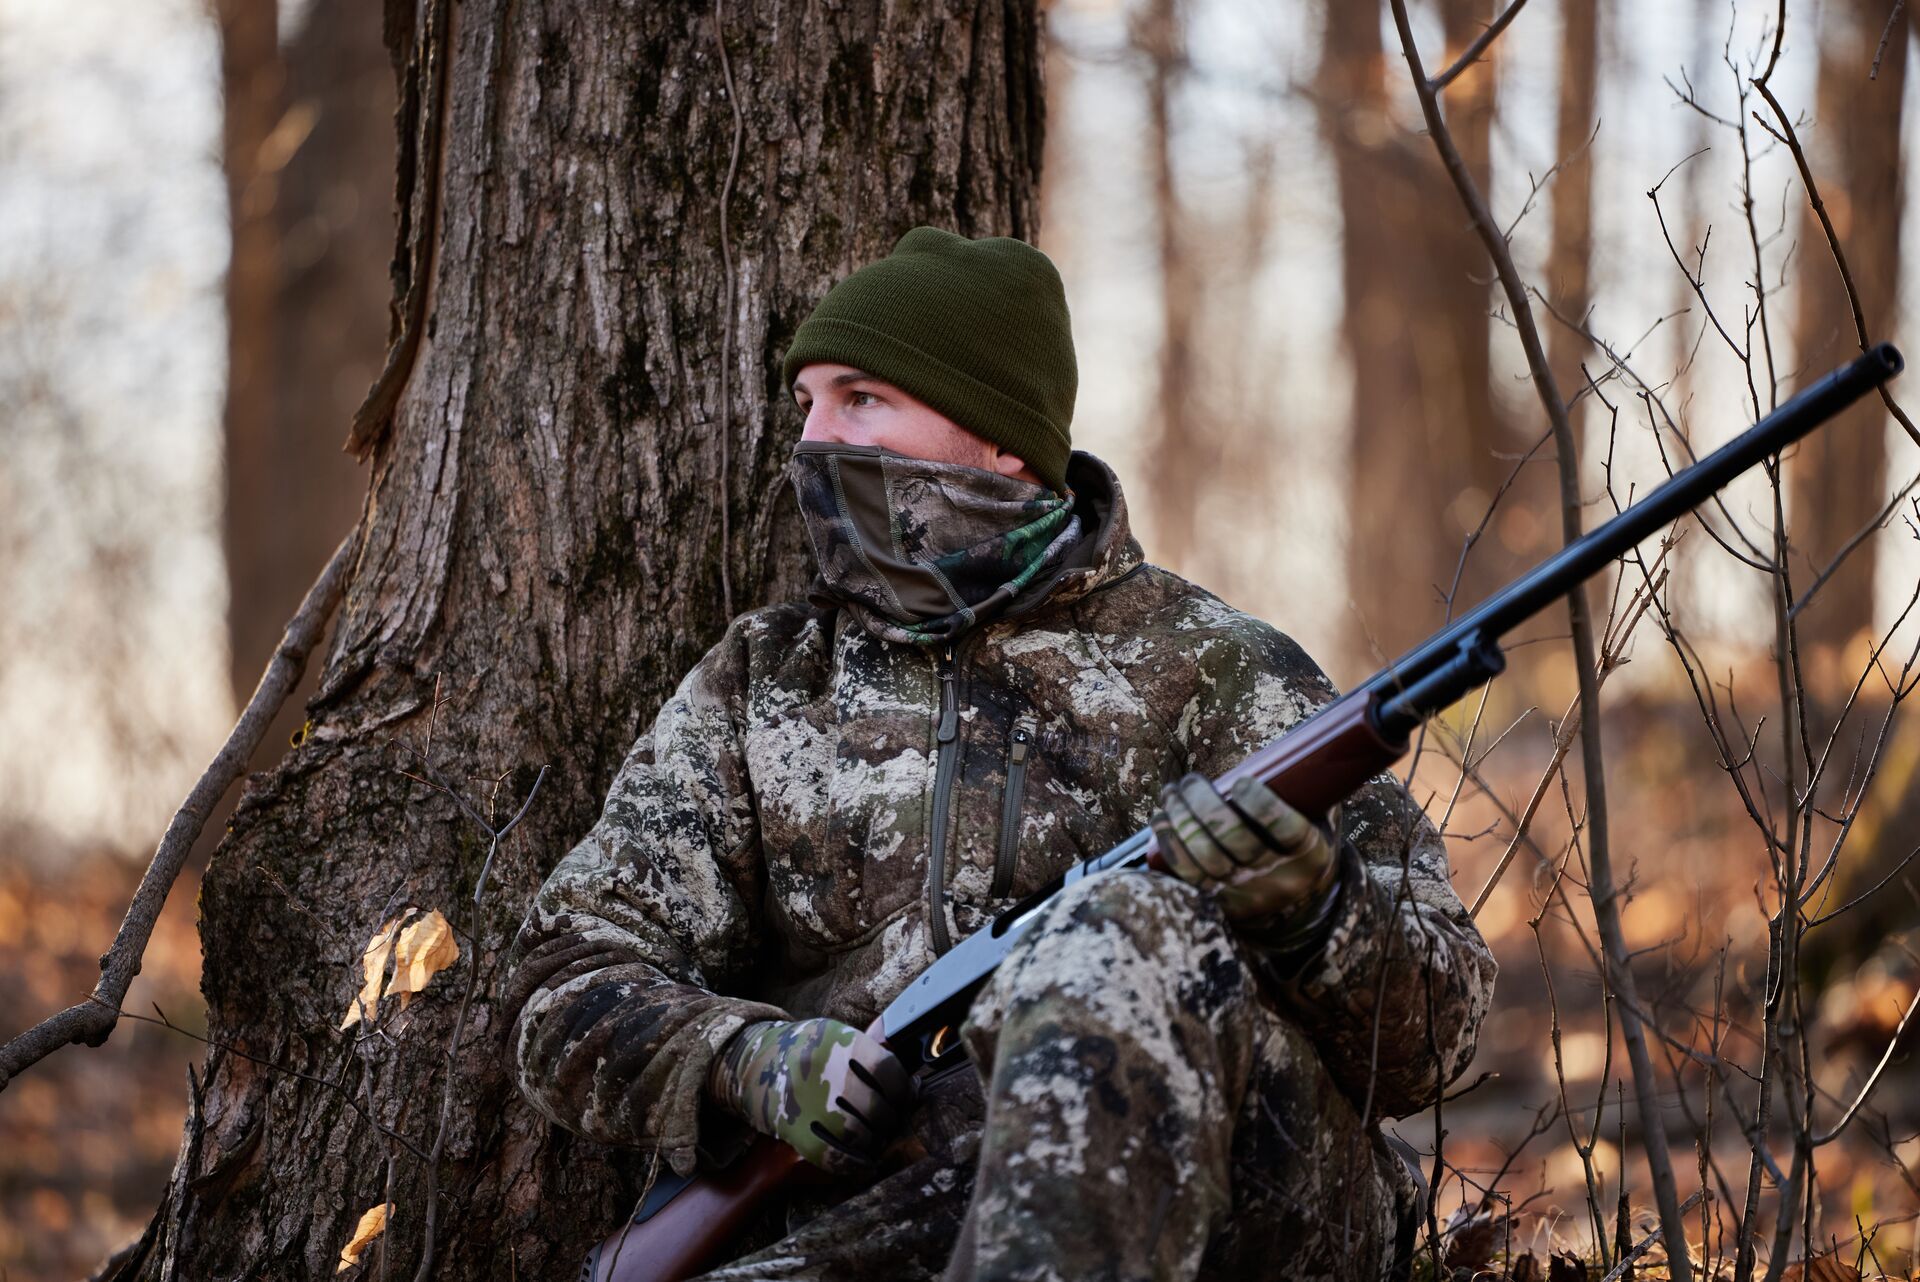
(1425, 426)
(1838, 478)
(543, 548)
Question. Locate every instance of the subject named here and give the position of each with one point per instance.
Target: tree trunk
(309, 161)
(542, 560)
(1838, 477)
(1568, 271)
(1182, 450)
(252, 82)
(1424, 425)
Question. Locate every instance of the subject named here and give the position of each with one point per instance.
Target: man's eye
(860, 400)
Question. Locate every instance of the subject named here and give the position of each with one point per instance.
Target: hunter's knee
(1145, 934)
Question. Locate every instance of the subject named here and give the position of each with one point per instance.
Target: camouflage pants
(1147, 1117)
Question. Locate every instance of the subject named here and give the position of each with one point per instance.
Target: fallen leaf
(1524, 1269)
(371, 1226)
(1565, 1267)
(1471, 1237)
(426, 948)
(373, 964)
(1822, 1268)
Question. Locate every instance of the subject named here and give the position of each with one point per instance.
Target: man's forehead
(822, 375)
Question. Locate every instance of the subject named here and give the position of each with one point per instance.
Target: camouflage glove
(831, 1091)
(1263, 860)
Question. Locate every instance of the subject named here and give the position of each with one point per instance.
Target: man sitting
(1182, 1076)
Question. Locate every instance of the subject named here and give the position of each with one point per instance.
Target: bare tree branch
(1873, 1079)
(93, 1019)
(1478, 47)
(1792, 139)
(1641, 1247)
(1886, 32)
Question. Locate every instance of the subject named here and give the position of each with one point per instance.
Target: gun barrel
(1680, 494)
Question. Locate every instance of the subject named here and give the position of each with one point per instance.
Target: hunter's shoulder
(778, 644)
(781, 626)
(1159, 606)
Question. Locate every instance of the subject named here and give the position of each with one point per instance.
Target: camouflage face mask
(923, 551)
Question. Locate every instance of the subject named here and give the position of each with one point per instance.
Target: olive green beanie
(977, 329)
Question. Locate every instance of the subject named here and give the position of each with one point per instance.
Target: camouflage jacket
(818, 813)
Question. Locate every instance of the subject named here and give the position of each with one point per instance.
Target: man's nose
(820, 426)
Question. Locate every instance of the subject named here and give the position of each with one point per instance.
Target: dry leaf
(1471, 1239)
(426, 948)
(1565, 1267)
(1824, 1268)
(373, 964)
(371, 1226)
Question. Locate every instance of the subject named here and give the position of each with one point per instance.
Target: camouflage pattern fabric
(1148, 1116)
(769, 851)
(831, 1091)
(925, 550)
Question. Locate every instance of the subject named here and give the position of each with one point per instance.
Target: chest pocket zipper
(1018, 747)
(946, 758)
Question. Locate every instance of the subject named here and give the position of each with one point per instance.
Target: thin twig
(1562, 743)
(1645, 1244)
(432, 1217)
(275, 1066)
(1886, 32)
(1873, 1078)
(1478, 47)
(92, 1021)
(1860, 536)
(726, 323)
(1819, 206)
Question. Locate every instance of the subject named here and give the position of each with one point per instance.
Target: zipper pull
(949, 705)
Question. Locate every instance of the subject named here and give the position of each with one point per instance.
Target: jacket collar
(1105, 554)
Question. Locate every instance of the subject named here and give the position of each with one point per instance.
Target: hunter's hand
(1257, 855)
(826, 1088)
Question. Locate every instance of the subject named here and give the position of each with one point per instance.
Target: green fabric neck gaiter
(923, 551)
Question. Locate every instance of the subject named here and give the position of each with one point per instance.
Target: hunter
(1177, 1076)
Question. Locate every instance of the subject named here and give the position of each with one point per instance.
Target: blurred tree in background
(1290, 344)
(1839, 477)
(308, 153)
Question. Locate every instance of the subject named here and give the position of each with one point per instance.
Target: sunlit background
(119, 659)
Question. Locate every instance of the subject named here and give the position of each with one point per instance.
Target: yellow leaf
(371, 1226)
(373, 964)
(426, 948)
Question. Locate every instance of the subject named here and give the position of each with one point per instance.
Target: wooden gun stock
(679, 1238)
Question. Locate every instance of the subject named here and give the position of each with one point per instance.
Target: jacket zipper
(1010, 808)
(947, 756)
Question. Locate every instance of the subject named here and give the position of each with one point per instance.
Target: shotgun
(683, 1223)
